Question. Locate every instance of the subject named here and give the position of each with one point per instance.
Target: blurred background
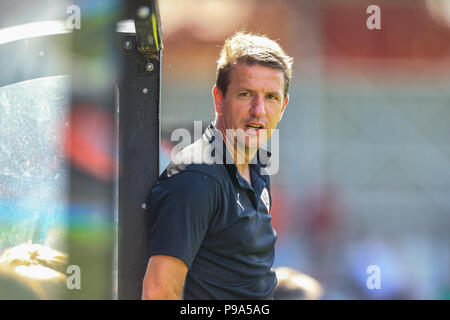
(364, 175)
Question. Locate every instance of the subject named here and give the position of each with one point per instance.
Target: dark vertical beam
(139, 130)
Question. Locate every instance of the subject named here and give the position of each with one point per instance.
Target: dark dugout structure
(79, 136)
(139, 127)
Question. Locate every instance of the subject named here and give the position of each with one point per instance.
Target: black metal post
(139, 131)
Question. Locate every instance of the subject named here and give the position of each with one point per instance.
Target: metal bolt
(127, 45)
(144, 206)
(143, 12)
(145, 91)
(149, 67)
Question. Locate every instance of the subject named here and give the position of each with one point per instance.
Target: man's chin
(251, 144)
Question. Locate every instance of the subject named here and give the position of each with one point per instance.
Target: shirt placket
(258, 185)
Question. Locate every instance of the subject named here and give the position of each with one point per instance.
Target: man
(211, 235)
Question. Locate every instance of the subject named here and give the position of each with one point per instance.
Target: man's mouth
(254, 127)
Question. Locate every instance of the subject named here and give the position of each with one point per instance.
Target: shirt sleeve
(181, 209)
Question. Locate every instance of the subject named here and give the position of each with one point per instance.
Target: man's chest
(244, 224)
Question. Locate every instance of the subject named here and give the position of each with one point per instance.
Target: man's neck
(241, 156)
(244, 171)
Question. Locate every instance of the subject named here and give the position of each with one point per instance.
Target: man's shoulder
(196, 159)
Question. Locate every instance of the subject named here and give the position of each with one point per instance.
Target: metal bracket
(148, 29)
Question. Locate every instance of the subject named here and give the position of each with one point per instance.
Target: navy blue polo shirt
(206, 214)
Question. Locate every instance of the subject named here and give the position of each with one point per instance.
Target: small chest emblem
(265, 199)
(238, 202)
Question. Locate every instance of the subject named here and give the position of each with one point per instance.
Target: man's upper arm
(164, 278)
(181, 208)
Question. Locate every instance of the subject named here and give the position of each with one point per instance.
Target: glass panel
(33, 175)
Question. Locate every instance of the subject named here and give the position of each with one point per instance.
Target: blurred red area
(89, 141)
(407, 31)
(409, 40)
(279, 206)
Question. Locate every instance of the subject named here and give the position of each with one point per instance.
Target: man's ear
(218, 99)
(285, 103)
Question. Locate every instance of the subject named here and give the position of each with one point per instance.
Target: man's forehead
(243, 74)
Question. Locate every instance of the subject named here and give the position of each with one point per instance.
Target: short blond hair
(249, 48)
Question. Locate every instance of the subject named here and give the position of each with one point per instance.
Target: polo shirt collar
(213, 135)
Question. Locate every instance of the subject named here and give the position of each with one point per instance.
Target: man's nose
(258, 108)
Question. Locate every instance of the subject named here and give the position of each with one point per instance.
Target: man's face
(253, 102)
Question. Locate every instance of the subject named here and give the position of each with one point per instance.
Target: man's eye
(272, 97)
(244, 94)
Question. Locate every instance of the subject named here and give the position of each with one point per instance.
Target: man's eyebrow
(246, 89)
(275, 93)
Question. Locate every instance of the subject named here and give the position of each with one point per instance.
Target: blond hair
(252, 49)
